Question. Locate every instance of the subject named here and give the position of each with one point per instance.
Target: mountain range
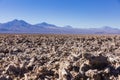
(21, 26)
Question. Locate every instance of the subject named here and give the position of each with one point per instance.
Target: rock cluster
(59, 57)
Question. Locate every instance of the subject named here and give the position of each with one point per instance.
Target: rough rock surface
(59, 57)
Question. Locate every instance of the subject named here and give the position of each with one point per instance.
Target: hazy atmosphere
(77, 13)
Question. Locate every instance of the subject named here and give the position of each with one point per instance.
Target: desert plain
(59, 57)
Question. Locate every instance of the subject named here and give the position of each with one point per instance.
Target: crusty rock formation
(59, 57)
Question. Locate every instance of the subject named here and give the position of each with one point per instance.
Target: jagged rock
(98, 62)
(59, 57)
(15, 51)
(107, 70)
(93, 74)
(31, 65)
(15, 70)
(5, 78)
(118, 77)
(64, 73)
(84, 67)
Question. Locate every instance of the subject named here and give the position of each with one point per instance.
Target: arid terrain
(59, 57)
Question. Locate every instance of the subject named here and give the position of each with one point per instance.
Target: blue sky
(77, 13)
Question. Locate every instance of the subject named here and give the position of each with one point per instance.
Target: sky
(77, 13)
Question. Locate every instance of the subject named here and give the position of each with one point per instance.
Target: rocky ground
(59, 57)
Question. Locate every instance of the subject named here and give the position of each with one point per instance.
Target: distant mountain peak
(15, 25)
(67, 26)
(46, 25)
(15, 20)
(107, 27)
(18, 22)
